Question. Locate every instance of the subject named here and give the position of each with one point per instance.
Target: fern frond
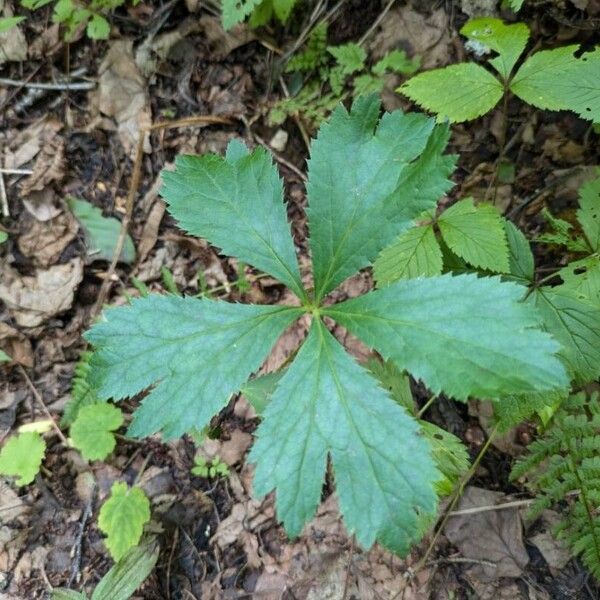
(564, 468)
(82, 393)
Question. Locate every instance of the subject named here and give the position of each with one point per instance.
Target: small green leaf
(398, 62)
(433, 329)
(394, 381)
(560, 234)
(122, 518)
(476, 234)
(575, 323)
(82, 393)
(516, 4)
(7, 23)
(588, 214)
(98, 28)
(34, 4)
(128, 574)
(416, 253)
(283, 9)
(3, 237)
(21, 456)
(258, 390)
(508, 41)
(196, 354)
(92, 430)
(236, 203)
(367, 84)
(101, 232)
(520, 257)
(236, 11)
(64, 594)
(350, 57)
(458, 93)
(514, 410)
(4, 357)
(557, 80)
(326, 404)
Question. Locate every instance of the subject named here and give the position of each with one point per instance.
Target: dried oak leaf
(49, 166)
(34, 299)
(16, 345)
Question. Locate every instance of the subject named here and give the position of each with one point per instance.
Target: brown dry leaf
(222, 42)
(44, 205)
(424, 35)
(150, 231)
(555, 553)
(47, 43)
(34, 299)
(25, 146)
(16, 345)
(230, 451)
(122, 94)
(13, 45)
(49, 166)
(493, 537)
(44, 241)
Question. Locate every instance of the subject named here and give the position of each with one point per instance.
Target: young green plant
(368, 179)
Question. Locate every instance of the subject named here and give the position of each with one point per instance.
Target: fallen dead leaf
(33, 299)
(48, 168)
(122, 94)
(44, 241)
(554, 551)
(493, 538)
(221, 42)
(13, 45)
(16, 345)
(150, 231)
(43, 205)
(27, 143)
(230, 451)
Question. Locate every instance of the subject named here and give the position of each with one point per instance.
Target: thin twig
(280, 159)
(80, 85)
(3, 197)
(376, 23)
(42, 404)
(133, 188)
(77, 545)
(479, 509)
(15, 171)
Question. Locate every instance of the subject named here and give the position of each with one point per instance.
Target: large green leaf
(458, 93)
(416, 253)
(358, 193)
(588, 214)
(326, 404)
(236, 203)
(464, 335)
(575, 323)
(195, 353)
(508, 41)
(557, 80)
(476, 234)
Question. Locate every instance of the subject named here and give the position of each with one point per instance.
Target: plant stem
(426, 406)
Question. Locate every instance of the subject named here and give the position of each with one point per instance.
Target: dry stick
(279, 158)
(43, 406)
(77, 545)
(133, 188)
(3, 197)
(80, 85)
(15, 171)
(457, 494)
(376, 23)
(479, 509)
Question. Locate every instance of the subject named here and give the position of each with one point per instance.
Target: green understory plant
(322, 76)
(258, 12)
(467, 335)
(210, 469)
(565, 78)
(563, 470)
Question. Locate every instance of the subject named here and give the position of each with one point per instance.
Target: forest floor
(173, 60)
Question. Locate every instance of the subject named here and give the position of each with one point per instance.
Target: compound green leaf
(575, 323)
(433, 329)
(326, 404)
(582, 278)
(476, 234)
(513, 410)
(195, 353)
(508, 41)
(122, 518)
(520, 257)
(236, 203)
(101, 233)
(92, 431)
(21, 456)
(398, 62)
(358, 189)
(350, 57)
(458, 93)
(557, 80)
(283, 9)
(236, 11)
(588, 214)
(416, 253)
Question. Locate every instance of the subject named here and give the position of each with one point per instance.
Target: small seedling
(210, 469)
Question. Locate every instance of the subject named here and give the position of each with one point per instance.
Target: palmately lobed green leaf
(464, 335)
(458, 93)
(326, 404)
(195, 354)
(358, 200)
(92, 430)
(236, 203)
(561, 79)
